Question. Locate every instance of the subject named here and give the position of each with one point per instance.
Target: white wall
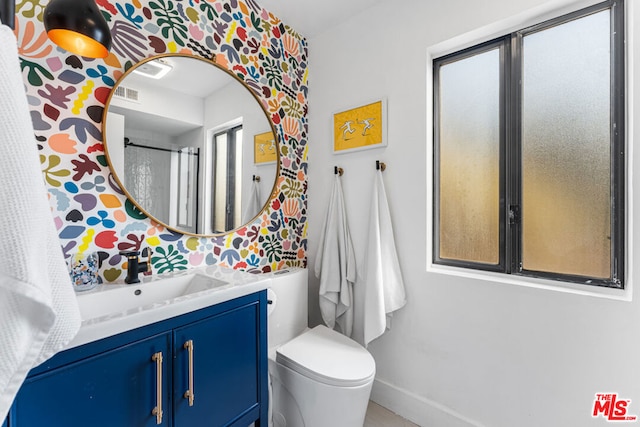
(115, 132)
(463, 351)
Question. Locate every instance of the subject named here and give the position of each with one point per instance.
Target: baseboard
(417, 409)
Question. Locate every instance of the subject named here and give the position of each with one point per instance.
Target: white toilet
(319, 377)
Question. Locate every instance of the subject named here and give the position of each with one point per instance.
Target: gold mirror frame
(120, 180)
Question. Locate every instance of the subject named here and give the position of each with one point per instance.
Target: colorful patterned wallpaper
(67, 94)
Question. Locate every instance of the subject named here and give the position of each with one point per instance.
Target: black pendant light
(78, 26)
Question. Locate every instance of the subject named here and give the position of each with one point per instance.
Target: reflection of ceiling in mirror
(150, 122)
(181, 77)
(185, 76)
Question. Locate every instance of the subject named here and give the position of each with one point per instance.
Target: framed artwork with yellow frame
(360, 128)
(264, 148)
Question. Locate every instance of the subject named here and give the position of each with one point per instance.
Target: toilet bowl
(319, 377)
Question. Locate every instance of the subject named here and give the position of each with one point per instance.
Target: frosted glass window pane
(469, 158)
(566, 148)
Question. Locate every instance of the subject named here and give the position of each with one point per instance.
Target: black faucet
(134, 266)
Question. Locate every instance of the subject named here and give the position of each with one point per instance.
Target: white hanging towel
(38, 309)
(336, 265)
(380, 288)
(253, 204)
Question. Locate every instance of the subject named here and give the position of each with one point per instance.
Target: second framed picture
(264, 148)
(360, 128)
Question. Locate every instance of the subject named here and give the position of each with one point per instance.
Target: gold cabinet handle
(157, 411)
(189, 393)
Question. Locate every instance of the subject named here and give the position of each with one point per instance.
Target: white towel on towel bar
(38, 309)
(336, 265)
(379, 290)
(253, 204)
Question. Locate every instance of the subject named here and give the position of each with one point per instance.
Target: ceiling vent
(155, 69)
(127, 93)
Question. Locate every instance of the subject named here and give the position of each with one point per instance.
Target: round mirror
(190, 144)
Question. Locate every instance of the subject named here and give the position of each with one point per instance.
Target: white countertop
(110, 309)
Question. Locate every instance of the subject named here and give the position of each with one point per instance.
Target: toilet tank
(288, 310)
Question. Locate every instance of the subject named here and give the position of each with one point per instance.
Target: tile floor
(379, 416)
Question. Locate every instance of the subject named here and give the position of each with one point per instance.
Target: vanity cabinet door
(115, 388)
(224, 370)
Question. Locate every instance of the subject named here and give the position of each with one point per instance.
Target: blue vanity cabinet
(115, 388)
(218, 360)
(115, 382)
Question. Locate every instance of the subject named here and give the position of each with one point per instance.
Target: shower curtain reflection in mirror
(163, 180)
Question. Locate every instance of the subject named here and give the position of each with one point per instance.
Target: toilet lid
(329, 357)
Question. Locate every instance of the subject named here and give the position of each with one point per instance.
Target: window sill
(529, 282)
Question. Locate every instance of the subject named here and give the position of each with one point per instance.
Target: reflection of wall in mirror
(241, 107)
(115, 133)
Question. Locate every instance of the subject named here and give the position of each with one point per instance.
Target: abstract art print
(264, 148)
(360, 128)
